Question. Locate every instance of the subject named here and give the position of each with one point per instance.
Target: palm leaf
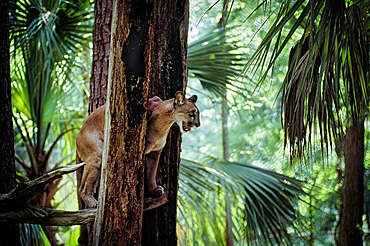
(216, 61)
(47, 40)
(44, 35)
(32, 235)
(326, 80)
(262, 202)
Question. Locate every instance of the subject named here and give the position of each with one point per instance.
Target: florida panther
(163, 114)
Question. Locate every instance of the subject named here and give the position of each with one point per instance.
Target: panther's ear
(193, 98)
(179, 98)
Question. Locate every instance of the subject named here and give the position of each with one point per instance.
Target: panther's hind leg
(90, 180)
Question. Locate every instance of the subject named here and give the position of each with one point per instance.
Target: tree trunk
(226, 156)
(168, 75)
(101, 45)
(353, 186)
(98, 85)
(225, 130)
(121, 195)
(167, 42)
(225, 138)
(9, 233)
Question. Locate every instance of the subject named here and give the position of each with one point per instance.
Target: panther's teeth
(186, 128)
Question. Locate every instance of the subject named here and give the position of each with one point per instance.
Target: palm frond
(216, 62)
(262, 202)
(327, 79)
(32, 235)
(46, 37)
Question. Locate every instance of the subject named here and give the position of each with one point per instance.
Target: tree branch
(29, 192)
(22, 204)
(47, 216)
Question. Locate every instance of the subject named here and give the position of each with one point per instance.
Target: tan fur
(89, 141)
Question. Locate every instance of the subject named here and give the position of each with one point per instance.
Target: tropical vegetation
(288, 115)
(48, 42)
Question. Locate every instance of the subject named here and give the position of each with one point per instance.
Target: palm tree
(261, 209)
(47, 38)
(216, 62)
(326, 87)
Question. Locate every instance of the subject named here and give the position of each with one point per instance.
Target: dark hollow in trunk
(169, 75)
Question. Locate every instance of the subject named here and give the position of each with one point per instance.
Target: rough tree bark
(169, 74)
(98, 83)
(121, 195)
(353, 186)
(167, 59)
(9, 233)
(101, 45)
(22, 204)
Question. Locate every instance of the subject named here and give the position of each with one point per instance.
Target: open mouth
(185, 127)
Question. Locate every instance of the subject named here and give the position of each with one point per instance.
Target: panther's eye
(191, 114)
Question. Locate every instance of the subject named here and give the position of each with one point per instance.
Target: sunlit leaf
(327, 82)
(263, 202)
(216, 61)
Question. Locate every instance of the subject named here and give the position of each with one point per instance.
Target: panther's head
(186, 113)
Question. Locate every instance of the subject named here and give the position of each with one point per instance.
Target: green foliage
(216, 62)
(255, 126)
(32, 235)
(49, 42)
(49, 39)
(324, 206)
(65, 199)
(327, 79)
(261, 202)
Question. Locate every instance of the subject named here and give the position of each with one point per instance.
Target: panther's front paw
(91, 202)
(157, 191)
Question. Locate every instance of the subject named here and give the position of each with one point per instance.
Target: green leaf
(264, 199)
(216, 61)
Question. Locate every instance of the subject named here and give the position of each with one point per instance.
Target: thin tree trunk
(168, 75)
(225, 129)
(9, 233)
(121, 196)
(98, 85)
(353, 186)
(225, 138)
(226, 155)
(101, 46)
